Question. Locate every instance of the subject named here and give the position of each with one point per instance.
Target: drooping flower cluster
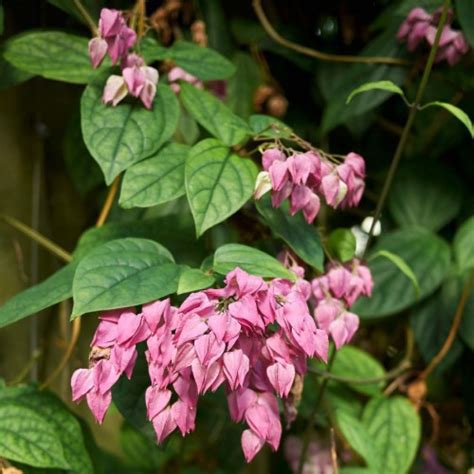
(251, 336)
(305, 177)
(420, 25)
(335, 292)
(116, 39)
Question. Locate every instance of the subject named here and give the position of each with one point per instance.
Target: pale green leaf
(269, 127)
(118, 137)
(456, 111)
(193, 279)
(342, 244)
(218, 182)
(157, 179)
(387, 86)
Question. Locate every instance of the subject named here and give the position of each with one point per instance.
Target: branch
(104, 213)
(336, 58)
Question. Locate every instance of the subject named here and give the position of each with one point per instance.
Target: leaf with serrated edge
(51, 54)
(157, 179)
(252, 260)
(214, 115)
(118, 137)
(218, 183)
(122, 273)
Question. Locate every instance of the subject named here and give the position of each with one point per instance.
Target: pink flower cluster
(304, 177)
(116, 39)
(251, 336)
(335, 292)
(420, 25)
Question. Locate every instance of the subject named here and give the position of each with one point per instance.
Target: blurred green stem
(411, 117)
(87, 18)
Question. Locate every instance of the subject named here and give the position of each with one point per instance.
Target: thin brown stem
(453, 330)
(337, 58)
(335, 468)
(411, 118)
(37, 237)
(109, 200)
(87, 18)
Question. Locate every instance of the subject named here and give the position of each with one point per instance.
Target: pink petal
(97, 51)
(251, 444)
(99, 403)
(281, 376)
(156, 400)
(164, 424)
(236, 367)
(81, 382)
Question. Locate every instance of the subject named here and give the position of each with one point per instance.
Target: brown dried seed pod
(277, 105)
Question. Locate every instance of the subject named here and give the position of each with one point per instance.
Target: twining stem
(453, 330)
(87, 18)
(411, 117)
(312, 416)
(109, 200)
(337, 58)
(37, 237)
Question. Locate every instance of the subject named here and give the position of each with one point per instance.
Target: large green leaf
(214, 115)
(9, 74)
(354, 363)
(252, 260)
(49, 292)
(269, 127)
(428, 196)
(118, 137)
(68, 428)
(121, 273)
(51, 54)
(465, 15)
(429, 257)
(302, 237)
(29, 437)
(218, 182)
(394, 426)
(464, 245)
(155, 180)
(193, 279)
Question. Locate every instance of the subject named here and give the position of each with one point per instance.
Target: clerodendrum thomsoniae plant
(160, 119)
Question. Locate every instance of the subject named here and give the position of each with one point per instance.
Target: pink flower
(270, 155)
(251, 444)
(236, 367)
(179, 74)
(115, 90)
(97, 51)
(281, 376)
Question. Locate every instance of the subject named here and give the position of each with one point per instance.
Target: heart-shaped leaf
(118, 137)
(121, 273)
(157, 179)
(429, 258)
(214, 115)
(253, 261)
(302, 237)
(218, 182)
(51, 54)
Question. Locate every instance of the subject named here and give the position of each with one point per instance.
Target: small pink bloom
(164, 424)
(236, 367)
(251, 444)
(185, 416)
(339, 279)
(278, 174)
(97, 51)
(190, 329)
(281, 376)
(299, 167)
(115, 90)
(99, 403)
(343, 328)
(81, 383)
(208, 348)
(270, 155)
(156, 400)
(334, 189)
(263, 184)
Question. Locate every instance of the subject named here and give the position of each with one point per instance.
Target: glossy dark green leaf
(118, 137)
(157, 179)
(465, 15)
(56, 288)
(218, 182)
(214, 115)
(193, 279)
(429, 257)
(342, 244)
(464, 245)
(122, 273)
(252, 260)
(302, 237)
(51, 54)
(395, 428)
(428, 196)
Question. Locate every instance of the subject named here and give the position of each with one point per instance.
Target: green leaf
(302, 237)
(10, 75)
(269, 127)
(49, 292)
(342, 244)
(253, 261)
(465, 16)
(401, 265)
(204, 63)
(118, 137)
(51, 54)
(355, 363)
(193, 279)
(429, 258)
(28, 437)
(157, 179)
(67, 427)
(388, 86)
(463, 245)
(242, 85)
(394, 426)
(122, 273)
(218, 183)
(214, 115)
(428, 195)
(356, 435)
(456, 111)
